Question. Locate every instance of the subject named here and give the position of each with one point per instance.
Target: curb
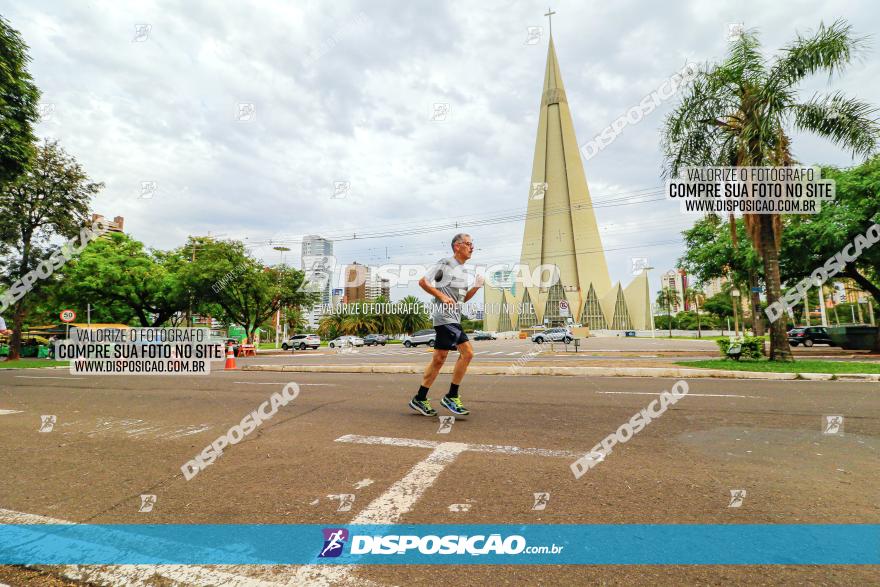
(572, 371)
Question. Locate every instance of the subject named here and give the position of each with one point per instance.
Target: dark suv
(375, 339)
(809, 336)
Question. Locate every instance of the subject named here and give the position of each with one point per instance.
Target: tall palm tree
(667, 297)
(294, 318)
(410, 321)
(386, 321)
(694, 295)
(331, 325)
(742, 112)
(359, 324)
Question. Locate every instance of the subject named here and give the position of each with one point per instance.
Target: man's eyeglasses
(467, 244)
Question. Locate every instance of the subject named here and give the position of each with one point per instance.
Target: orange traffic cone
(230, 359)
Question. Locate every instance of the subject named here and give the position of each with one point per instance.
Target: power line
(460, 224)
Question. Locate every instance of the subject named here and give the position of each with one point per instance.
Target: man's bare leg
(438, 358)
(465, 354)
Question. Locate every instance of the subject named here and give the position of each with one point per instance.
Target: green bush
(752, 346)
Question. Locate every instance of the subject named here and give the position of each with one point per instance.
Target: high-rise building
(561, 231)
(318, 264)
(714, 286)
(362, 284)
(676, 279)
(115, 225)
(314, 245)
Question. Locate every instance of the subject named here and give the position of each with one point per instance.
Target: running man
(447, 282)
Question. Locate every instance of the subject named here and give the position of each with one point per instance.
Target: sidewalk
(535, 368)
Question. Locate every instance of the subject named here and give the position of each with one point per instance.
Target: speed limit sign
(67, 315)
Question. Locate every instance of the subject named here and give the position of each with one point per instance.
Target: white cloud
(343, 92)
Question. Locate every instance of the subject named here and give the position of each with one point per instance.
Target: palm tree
(667, 297)
(359, 324)
(386, 322)
(742, 112)
(410, 321)
(293, 317)
(330, 325)
(694, 296)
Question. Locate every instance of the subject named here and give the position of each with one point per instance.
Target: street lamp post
(650, 304)
(278, 311)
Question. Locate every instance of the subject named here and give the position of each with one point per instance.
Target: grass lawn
(796, 367)
(31, 364)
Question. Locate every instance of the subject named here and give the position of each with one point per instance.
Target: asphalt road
(116, 438)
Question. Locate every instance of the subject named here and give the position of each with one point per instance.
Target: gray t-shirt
(449, 276)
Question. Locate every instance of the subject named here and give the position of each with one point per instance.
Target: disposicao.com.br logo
(480, 544)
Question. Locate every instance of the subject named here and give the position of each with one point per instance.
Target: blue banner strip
(594, 544)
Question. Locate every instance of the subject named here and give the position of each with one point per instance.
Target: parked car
(427, 336)
(809, 336)
(302, 342)
(346, 341)
(480, 335)
(375, 339)
(553, 335)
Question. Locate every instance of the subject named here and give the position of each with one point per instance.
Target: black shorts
(449, 335)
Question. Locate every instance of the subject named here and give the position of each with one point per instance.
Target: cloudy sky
(246, 115)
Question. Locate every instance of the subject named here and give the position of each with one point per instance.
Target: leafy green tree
(721, 306)
(710, 253)
(19, 98)
(227, 282)
(667, 297)
(744, 110)
(50, 199)
(811, 240)
(116, 271)
(385, 321)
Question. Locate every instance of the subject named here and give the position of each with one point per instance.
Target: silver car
(427, 336)
(553, 335)
(344, 341)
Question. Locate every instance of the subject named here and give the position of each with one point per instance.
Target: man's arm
(445, 299)
(478, 283)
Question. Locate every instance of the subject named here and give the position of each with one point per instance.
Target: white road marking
(123, 575)
(513, 354)
(498, 353)
(689, 394)
(7, 412)
(400, 498)
(493, 448)
(45, 377)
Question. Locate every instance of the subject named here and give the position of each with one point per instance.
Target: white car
(553, 335)
(427, 336)
(346, 341)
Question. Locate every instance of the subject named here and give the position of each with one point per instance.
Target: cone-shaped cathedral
(561, 230)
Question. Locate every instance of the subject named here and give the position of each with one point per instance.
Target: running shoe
(422, 406)
(454, 405)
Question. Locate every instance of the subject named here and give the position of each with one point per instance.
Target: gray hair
(458, 238)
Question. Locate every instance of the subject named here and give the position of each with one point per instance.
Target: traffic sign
(67, 315)
(563, 308)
